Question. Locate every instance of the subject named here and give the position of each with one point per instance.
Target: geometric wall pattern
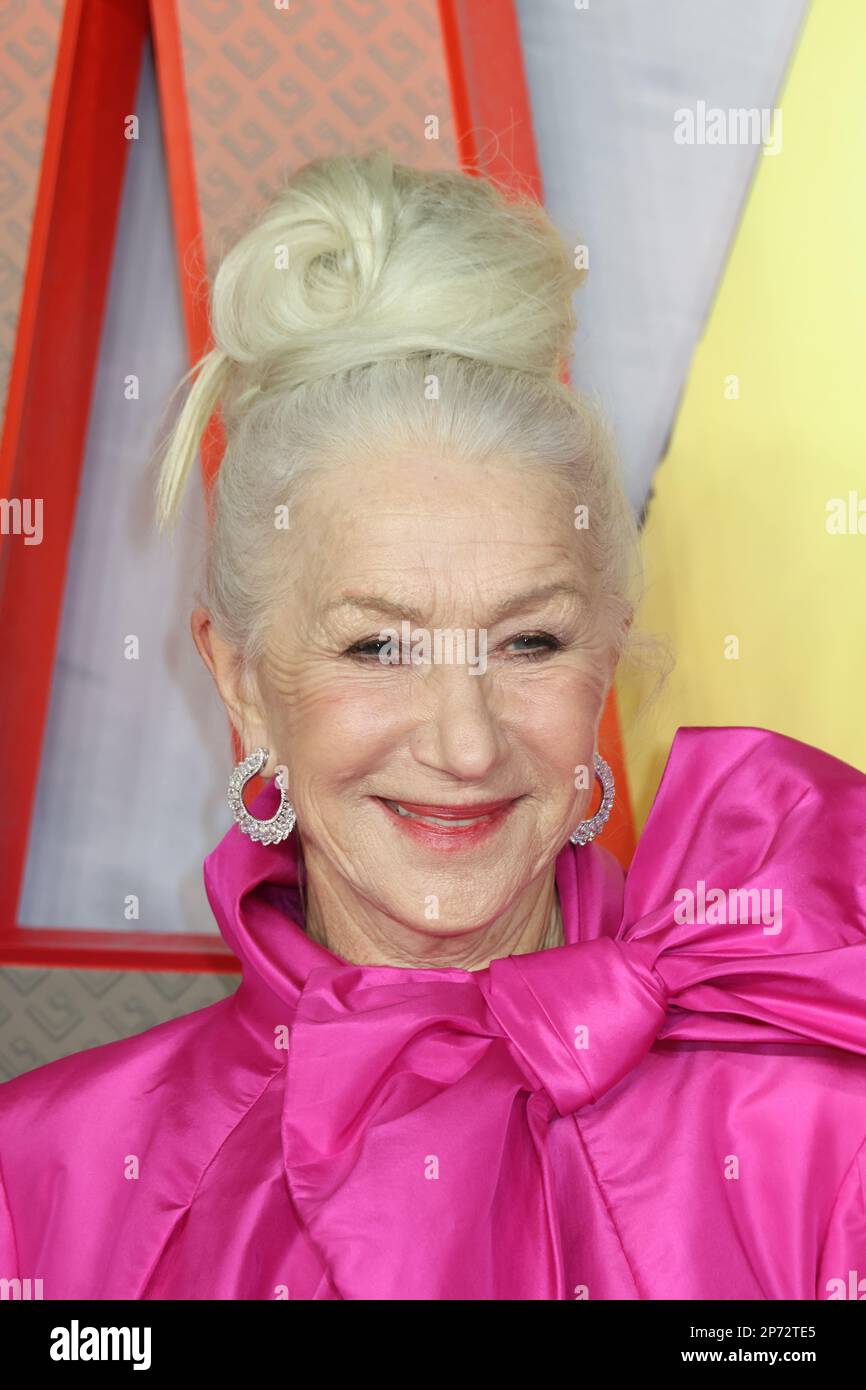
(45, 1014)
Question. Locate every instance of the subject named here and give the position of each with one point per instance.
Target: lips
(470, 813)
(448, 827)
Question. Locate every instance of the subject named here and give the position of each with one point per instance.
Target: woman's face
(483, 564)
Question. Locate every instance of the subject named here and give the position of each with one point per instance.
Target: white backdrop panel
(657, 217)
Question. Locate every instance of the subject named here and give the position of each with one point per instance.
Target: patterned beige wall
(45, 1014)
(29, 31)
(269, 89)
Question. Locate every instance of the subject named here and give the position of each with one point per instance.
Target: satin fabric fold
(417, 1101)
(559, 1125)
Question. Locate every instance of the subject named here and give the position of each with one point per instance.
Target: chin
(455, 913)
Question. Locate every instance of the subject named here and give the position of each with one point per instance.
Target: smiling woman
(467, 1059)
(387, 351)
(466, 540)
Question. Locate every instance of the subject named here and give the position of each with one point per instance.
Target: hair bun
(362, 259)
(311, 260)
(359, 259)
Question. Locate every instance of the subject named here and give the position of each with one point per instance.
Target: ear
(240, 699)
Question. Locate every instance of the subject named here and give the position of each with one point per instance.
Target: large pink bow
(417, 1102)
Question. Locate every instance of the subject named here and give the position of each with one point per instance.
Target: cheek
(556, 715)
(555, 729)
(337, 728)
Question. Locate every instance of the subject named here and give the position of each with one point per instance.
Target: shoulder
(747, 810)
(187, 1071)
(97, 1071)
(783, 776)
(101, 1150)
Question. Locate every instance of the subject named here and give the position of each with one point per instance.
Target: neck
(350, 926)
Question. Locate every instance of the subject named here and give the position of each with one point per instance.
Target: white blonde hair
(363, 281)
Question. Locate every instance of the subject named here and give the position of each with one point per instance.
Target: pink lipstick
(448, 826)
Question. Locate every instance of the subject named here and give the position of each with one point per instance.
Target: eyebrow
(378, 603)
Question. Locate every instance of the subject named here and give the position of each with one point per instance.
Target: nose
(457, 726)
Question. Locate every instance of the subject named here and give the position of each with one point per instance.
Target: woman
(467, 1059)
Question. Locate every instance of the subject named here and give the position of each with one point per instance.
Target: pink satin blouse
(672, 1105)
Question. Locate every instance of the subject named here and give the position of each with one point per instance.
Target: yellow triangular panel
(771, 429)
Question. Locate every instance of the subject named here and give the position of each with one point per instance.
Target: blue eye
(543, 642)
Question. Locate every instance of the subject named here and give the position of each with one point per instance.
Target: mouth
(437, 824)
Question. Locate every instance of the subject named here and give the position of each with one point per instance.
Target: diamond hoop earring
(280, 825)
(588, 829)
